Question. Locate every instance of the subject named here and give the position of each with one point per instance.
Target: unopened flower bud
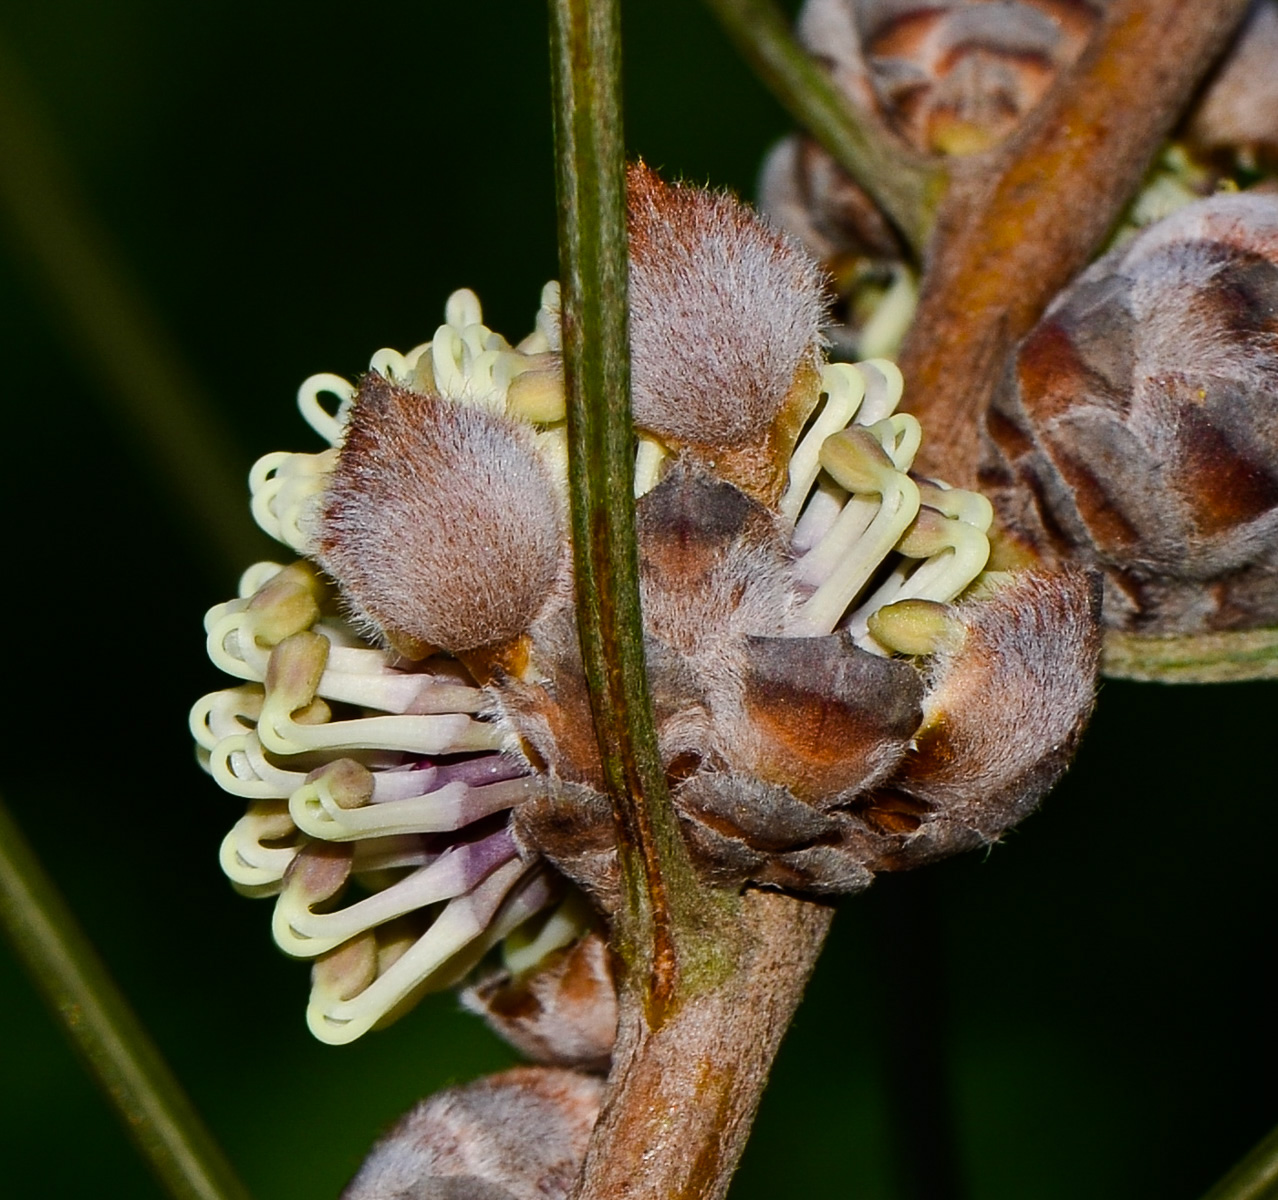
(725, 330)
(1030, 639)
(821, 716)
(950, 76)
(1137, 432)
(805, 191)
(441, 522)
(519, 1135)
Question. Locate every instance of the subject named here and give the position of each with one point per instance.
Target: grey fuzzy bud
(520, 1135)
(1138, 431)
(441, 522)
(1009, 693)
(725, 325)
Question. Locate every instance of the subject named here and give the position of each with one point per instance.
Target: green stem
(1255, 1178)
(906, 188)
(109, 325)
(122, 1058)
(590, 158)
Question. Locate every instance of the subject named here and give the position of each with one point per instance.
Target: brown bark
(1017, 226)
(683, 1096)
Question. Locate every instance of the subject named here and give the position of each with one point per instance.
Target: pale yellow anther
(537, 394)
(913, 626)
(344, 972)
(929, 533)
(285, 605)
(294, 671)
(857, 461)
(349, 784)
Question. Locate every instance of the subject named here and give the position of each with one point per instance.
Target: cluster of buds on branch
(946, 81)
(822, 639)
(854, 666)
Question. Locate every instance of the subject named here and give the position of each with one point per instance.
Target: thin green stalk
(586, 71)
(906, 188)
(119, 1054)
(108, 323)
(1255, 1178)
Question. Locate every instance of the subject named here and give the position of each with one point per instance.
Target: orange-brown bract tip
(1007, 702)
(823, 717)
(562, 1013)
(1138, 431)
(725, 326)
(441, 522)
(519, 1135)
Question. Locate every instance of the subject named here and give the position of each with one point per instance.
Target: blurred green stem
(907, 188)
(122, 1058)
(110, 326)
(1255, 1178)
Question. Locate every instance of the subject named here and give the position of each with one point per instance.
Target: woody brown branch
(1019, 223)
(682, 1096)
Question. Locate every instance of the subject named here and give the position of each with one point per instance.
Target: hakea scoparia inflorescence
(840, 687)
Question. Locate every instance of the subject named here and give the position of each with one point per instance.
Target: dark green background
(1088, 1006)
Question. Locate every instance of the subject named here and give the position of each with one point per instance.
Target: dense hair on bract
(724, 312)
(441, 523)
(519, 1135)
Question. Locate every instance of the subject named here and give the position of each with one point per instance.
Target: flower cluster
(362, 764)
(840, 686)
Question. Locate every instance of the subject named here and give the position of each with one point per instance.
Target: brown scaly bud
(941, 77)
(519, 1135)
(822, 717)
(947, 76)
(1236, 117)
(441, 521)
(725, 330)
(1137, 430)
(561, 1012)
